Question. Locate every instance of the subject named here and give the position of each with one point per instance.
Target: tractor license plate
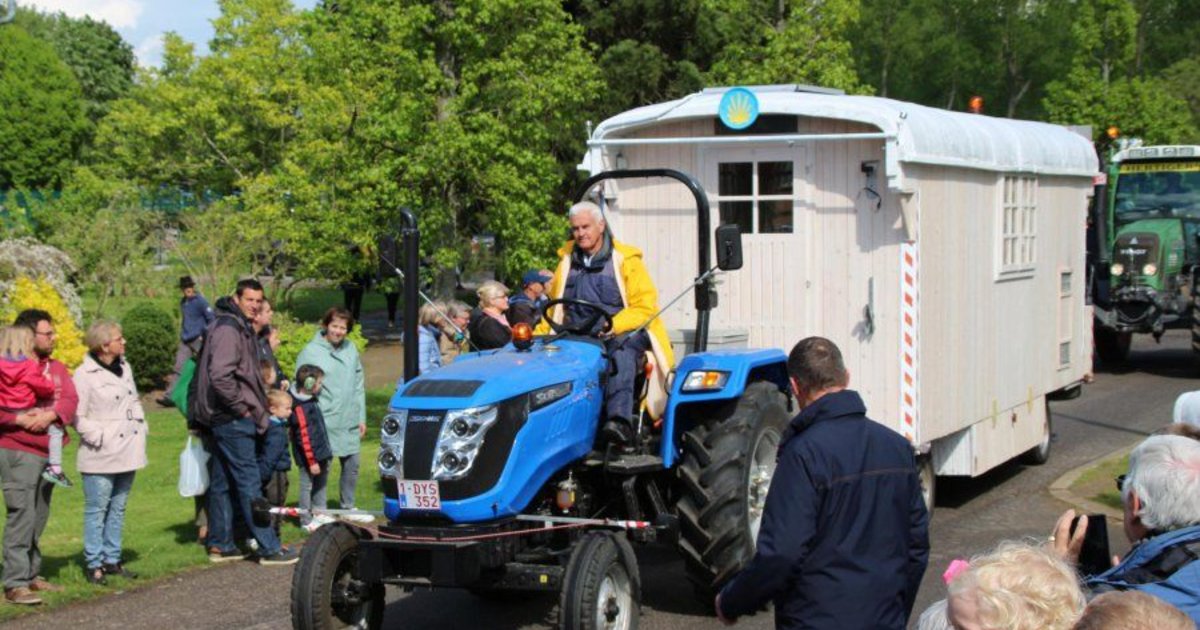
(419, 495)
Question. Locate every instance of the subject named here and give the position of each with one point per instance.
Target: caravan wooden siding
(842, 254)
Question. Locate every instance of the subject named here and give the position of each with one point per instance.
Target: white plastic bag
(193, 469)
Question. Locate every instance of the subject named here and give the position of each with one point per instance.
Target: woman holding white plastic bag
(112, 430)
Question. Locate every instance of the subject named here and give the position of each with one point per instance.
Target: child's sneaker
(312, 525)
(284, 556)
(56, 477)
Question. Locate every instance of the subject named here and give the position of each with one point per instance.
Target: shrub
(23, 293)
(294, 335)
(152, 340)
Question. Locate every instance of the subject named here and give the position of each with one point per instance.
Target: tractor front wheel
(602, 587)
(728, 462)
(326, 591)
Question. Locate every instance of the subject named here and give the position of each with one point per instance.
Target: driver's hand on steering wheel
(606, 332)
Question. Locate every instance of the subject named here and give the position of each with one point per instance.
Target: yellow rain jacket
(640, 298)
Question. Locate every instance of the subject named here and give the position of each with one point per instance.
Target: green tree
(1099, 89)
(785, 41)
(467, 111)
(648, 50)
(101, 61)
(42, 119)
(1183, 80)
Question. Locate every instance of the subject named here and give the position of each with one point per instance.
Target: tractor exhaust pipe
(410, 238)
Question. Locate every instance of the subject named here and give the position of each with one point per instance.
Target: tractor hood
(484, 378)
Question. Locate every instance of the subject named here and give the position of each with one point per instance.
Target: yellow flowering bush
(25, 292)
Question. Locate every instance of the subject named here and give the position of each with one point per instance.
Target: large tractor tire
(728, 461)
(1112, 346)
(602, 589)
(1194, 313)
(326, 593)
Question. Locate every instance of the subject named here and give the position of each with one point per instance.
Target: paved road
(971, 515)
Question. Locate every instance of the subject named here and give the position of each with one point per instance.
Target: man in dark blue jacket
(197, 315)
(845, 534)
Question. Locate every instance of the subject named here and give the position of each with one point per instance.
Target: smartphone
(1094, 557)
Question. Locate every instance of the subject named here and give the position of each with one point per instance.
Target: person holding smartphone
(1161, 498)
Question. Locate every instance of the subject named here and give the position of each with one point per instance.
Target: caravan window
(757, 196)
(1018, 226)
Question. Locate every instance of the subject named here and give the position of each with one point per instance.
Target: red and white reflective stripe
(910, 310)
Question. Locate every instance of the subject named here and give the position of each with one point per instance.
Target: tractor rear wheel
(1112, 346)
(1194, 312)
(728, 461)
(326, 592)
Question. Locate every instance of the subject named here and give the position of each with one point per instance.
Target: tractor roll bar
(705, 299)
(410, 237)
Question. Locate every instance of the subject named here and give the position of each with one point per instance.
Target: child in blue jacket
(273, 459)
(310, 444)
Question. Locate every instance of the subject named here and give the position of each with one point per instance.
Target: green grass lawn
(1098, 483)
(159, 535)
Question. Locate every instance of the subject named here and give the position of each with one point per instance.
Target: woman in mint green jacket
(343, 397)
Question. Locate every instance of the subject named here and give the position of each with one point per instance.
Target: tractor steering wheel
(582, 328)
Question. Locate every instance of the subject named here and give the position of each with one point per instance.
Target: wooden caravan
(942, 251)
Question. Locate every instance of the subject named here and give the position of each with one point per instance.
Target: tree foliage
(42, 121)
(101, 61)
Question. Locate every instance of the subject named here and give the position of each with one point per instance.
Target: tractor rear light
(705, 380)
(1150, 269)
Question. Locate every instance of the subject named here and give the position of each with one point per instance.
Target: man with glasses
(1161, 499)
(24, 449)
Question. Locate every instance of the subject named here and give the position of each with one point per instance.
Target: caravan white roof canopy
(912, 133)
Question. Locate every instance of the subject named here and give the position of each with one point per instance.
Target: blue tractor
(495, 481)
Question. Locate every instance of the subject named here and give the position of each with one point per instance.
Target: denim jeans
(312, 491)
(234, 483)
(348, 481)
(104, 498)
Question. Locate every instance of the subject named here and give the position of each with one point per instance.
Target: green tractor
(1146, 244)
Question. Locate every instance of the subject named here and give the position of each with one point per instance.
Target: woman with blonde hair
(429, 356)
(489, 328)
(112, 429)
(1017, 586)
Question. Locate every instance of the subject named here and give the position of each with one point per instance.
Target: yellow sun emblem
(738, 108)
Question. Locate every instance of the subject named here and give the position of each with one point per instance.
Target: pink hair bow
(957, 566)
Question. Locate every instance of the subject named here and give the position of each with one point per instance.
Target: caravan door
(763, 191)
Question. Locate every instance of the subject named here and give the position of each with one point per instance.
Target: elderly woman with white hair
(112, 430)
(489, 328)
(454, 337)
(1161, 497)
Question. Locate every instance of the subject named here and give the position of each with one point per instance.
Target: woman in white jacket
(112, 430)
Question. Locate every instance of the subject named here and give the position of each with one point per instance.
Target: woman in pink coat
(112, 430)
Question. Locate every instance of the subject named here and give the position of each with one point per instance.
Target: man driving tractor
(596, 268)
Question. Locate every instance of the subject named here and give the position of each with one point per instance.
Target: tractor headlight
(1117, 269)
(391, 447)
(460, 440)
(1149, 269)
(705, 380)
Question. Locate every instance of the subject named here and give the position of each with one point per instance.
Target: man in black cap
(526, 306)
(197, 315)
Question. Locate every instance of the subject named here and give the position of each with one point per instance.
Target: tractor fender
(743, 366)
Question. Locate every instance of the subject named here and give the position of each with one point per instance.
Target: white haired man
(596, 268)
(1161, 495)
